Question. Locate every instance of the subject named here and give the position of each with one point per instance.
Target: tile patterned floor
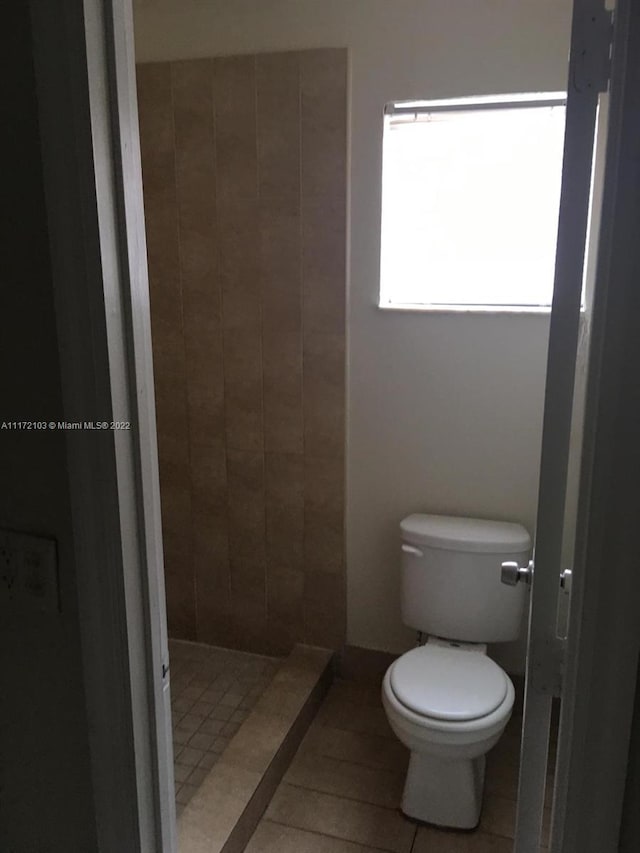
(212, 692)
(343, 787)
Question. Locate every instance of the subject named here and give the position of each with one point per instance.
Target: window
(470, 197)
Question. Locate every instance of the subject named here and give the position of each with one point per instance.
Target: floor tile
(197, 776)
(430, 840)
(275, 838)
(185, 793)
(498, 816)
(191, 756)
(183, 705)
(202, 708)
(369, 750)
(340, 711)
(501, 777)
(373, 785)
(222, 713)
(181, 773)
(346, 819)
(180, 736)
(209, 759)
(211, 727)
(201, 740)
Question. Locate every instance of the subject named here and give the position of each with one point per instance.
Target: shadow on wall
(244, 167)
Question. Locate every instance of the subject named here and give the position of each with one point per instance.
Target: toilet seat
(420, 730)
(448, 684)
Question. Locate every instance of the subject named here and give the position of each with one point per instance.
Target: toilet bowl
(446, 700)
(449, 704)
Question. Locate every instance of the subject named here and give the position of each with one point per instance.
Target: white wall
(444, 412)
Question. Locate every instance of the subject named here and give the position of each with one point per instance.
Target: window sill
(493, 310)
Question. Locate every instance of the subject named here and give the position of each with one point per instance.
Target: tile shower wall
(244, 169)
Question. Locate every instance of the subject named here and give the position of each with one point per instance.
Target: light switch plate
(28, 572)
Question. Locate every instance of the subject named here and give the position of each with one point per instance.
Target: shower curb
(228, 806)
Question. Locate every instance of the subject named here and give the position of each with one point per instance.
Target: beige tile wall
(244, 166)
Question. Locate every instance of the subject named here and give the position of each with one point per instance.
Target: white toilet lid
(448, 683)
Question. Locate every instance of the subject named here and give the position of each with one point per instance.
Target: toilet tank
(451, 577)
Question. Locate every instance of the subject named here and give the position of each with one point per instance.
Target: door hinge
(592, 66)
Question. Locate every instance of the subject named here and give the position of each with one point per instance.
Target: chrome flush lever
(512, 573)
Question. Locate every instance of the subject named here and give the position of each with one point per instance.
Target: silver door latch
(512, 573)
(565, 581)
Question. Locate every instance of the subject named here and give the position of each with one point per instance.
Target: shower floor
(212, 692)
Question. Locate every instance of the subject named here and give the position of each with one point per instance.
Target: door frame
(84, 67)
(587, 78)
(89, 135)
(603, 646)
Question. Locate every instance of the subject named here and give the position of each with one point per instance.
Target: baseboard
(366, 666)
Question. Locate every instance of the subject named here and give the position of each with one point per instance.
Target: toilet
(446, 700)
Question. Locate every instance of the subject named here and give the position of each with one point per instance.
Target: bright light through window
(470, 197)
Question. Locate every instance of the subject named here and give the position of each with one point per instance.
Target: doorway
(244, 164)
